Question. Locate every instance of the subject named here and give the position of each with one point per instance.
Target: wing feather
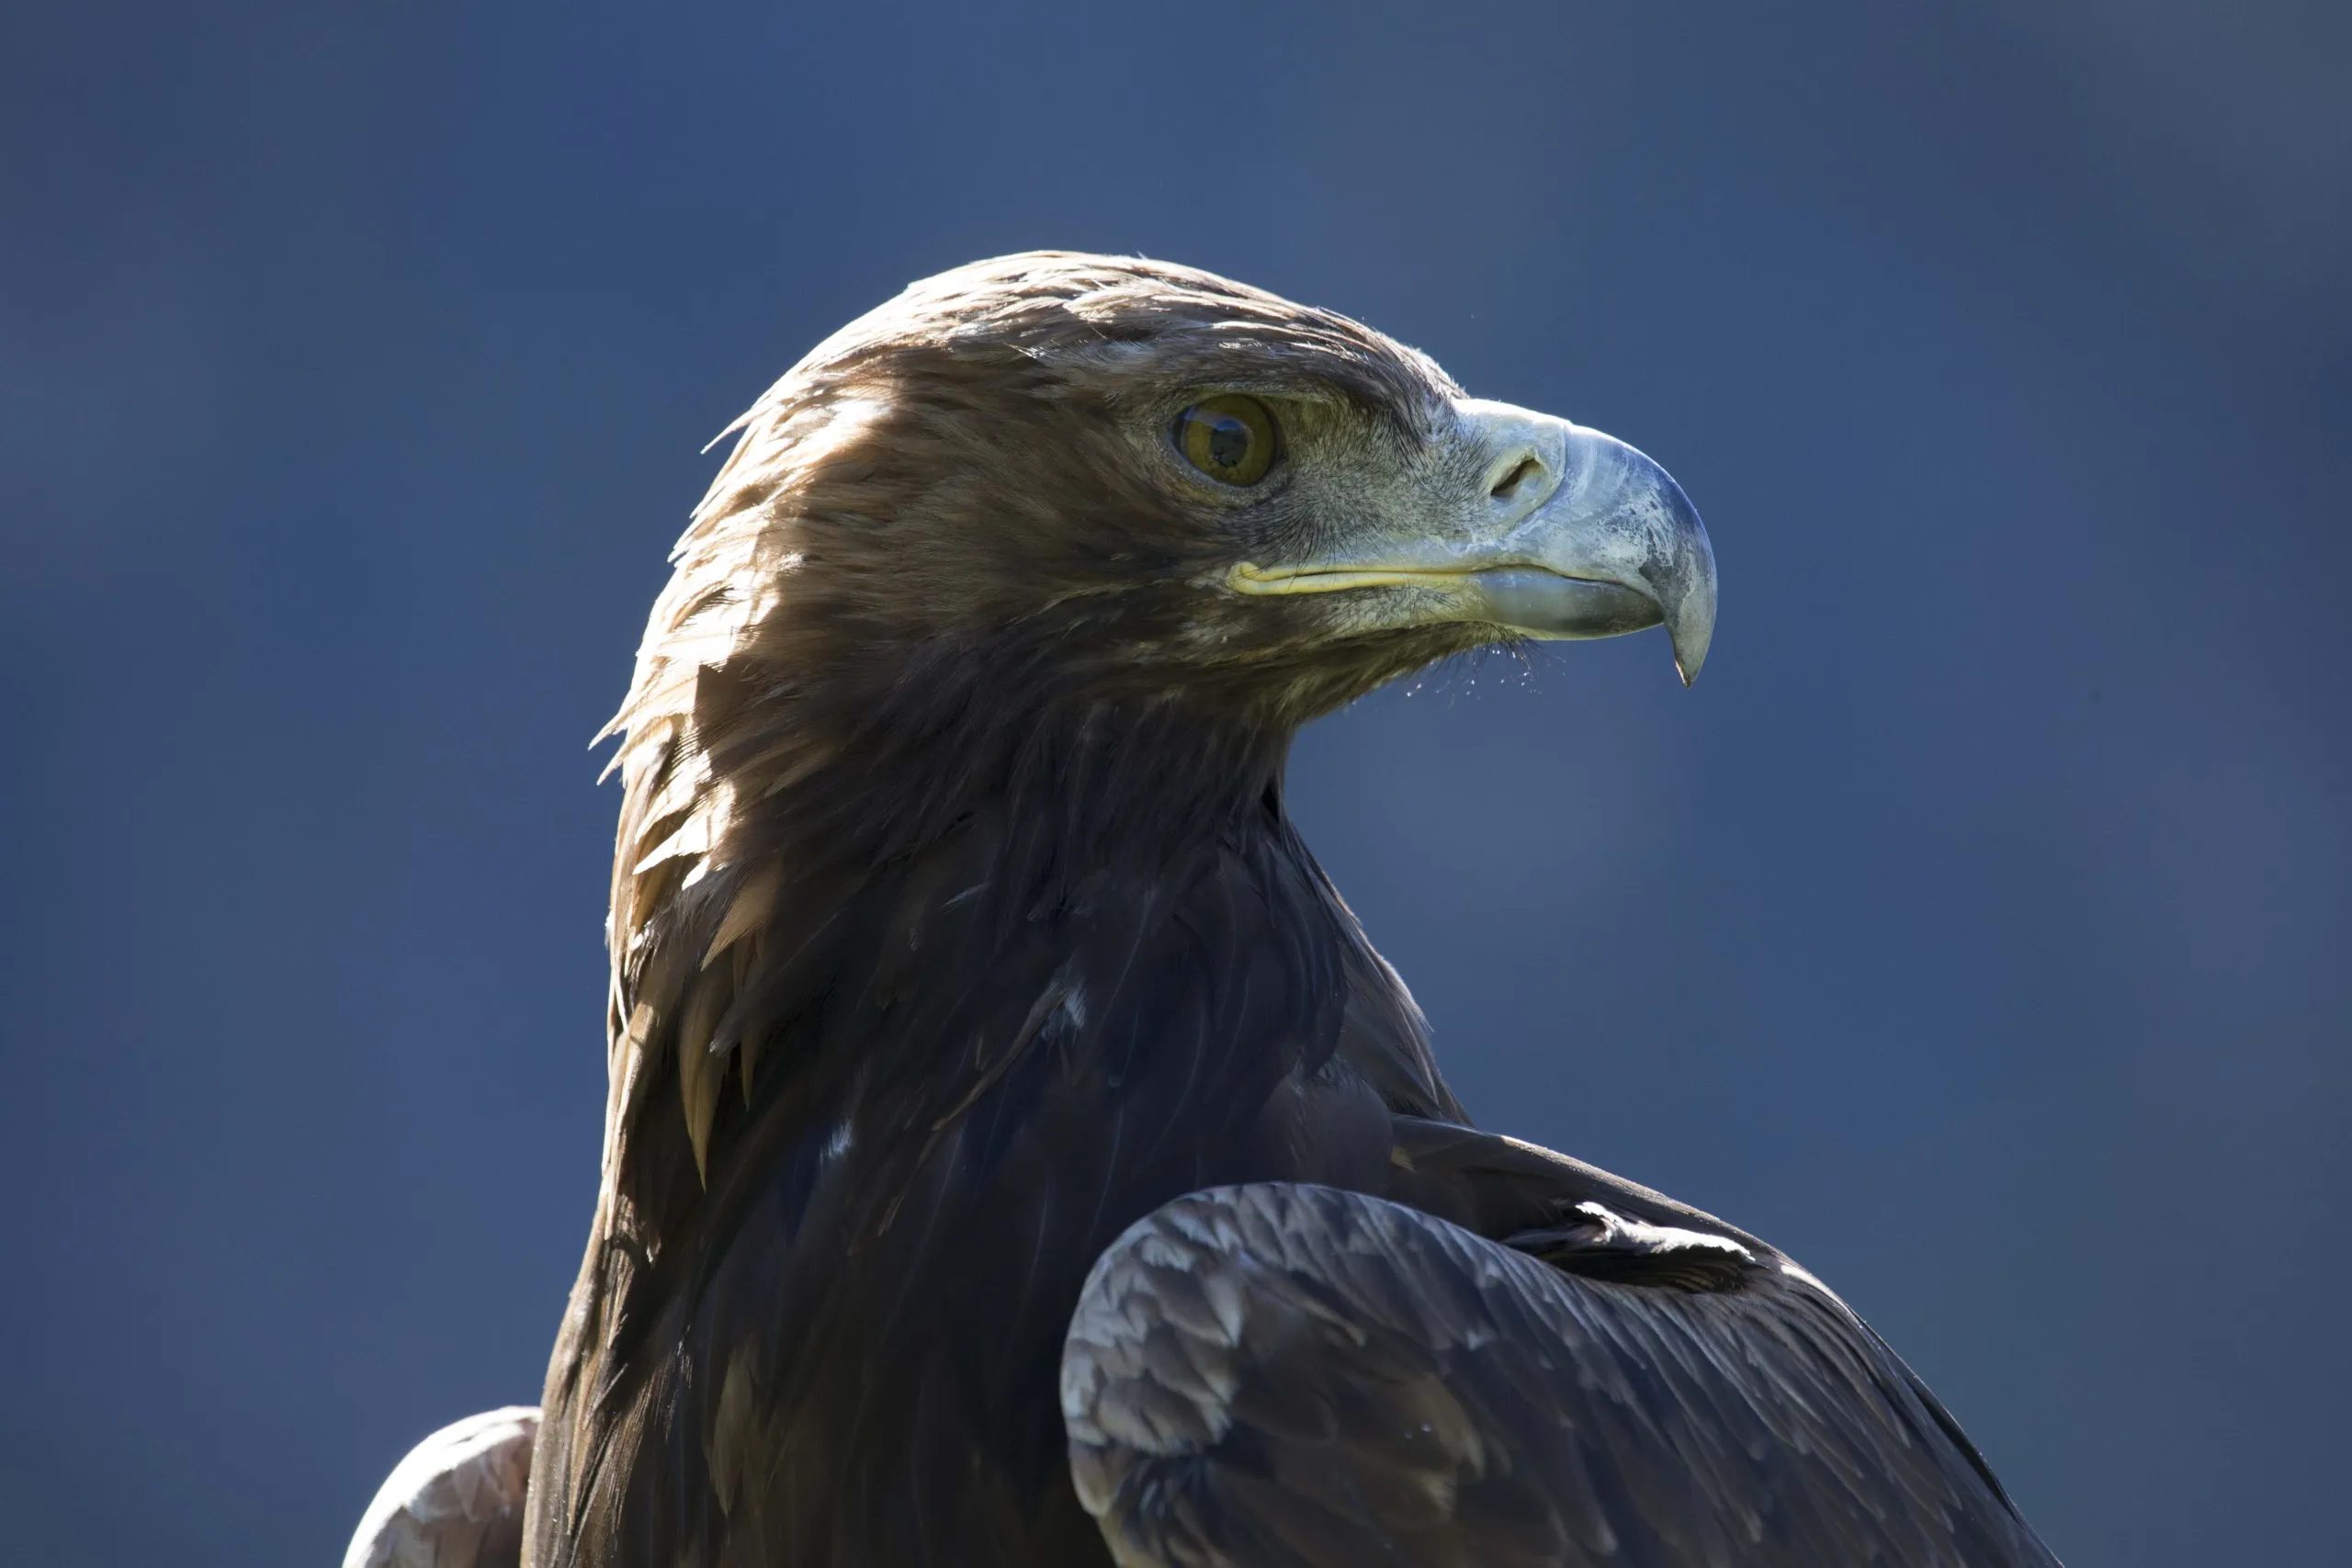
(455, 1500)
(1292, 1375)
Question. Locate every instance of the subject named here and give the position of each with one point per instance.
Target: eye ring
(1231, 438)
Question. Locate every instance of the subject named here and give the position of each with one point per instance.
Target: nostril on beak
(1517, 475)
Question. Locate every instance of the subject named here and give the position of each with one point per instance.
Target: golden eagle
(1017, 1154)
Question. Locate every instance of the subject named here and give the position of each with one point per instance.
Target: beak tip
(1692, 643)
(1692, 623)
(1690, 657)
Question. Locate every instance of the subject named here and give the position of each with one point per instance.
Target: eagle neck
(968, 883)
(1086, 775)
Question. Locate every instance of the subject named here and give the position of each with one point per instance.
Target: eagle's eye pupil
(1230, 439)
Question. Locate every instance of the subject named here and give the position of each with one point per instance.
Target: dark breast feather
(1276, 1376)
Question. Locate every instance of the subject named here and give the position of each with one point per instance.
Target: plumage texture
(455, 1501)
(1278, 1375)
(957, 923)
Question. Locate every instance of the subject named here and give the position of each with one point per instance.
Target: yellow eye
(1229, 438)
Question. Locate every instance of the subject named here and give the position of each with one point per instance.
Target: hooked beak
(1575, 535)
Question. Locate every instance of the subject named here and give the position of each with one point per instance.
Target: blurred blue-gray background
(1977, 930)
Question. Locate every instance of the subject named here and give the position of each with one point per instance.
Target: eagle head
(1118, 478)
(1100, 530)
